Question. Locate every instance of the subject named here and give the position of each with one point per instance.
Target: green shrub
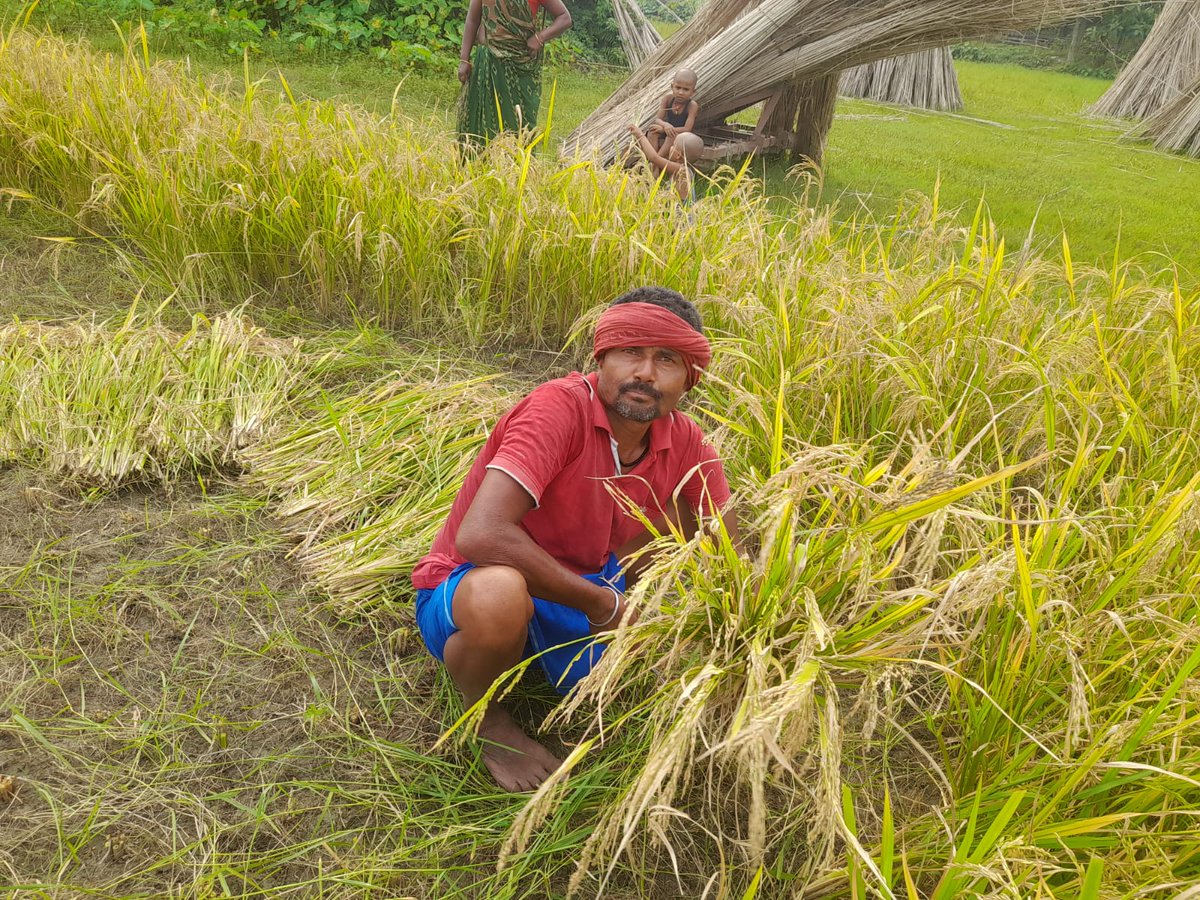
(1028, 55)
(594, 27)
(398, 30)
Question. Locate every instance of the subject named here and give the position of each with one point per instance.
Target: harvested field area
(181, 713)
(178, 722)
(956, 655)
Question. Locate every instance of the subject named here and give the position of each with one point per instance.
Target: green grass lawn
(1035, 158)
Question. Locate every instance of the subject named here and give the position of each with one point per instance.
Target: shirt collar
(660, 428)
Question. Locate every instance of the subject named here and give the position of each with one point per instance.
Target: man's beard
(634, 412)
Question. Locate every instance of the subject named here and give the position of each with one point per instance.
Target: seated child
(676, 112)
(685, 150)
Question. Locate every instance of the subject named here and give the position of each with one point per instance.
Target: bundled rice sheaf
(108, 404)
(366, 482)
(735, 682)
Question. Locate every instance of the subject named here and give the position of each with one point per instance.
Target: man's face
(642, 383)
(682, 89)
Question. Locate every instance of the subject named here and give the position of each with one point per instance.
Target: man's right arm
(491, 535)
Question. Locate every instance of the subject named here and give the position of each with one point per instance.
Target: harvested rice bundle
(109, 405)
(366, 483)
(729, 695)
(1163, 68)
(926, 80)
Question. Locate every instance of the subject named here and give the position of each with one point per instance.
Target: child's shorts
(560, 635)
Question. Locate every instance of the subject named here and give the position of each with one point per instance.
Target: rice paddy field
(253, 341)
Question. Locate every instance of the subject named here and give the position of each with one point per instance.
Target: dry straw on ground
(1176, 126)
(1164, 67)
(926, 80)
(365, 482)
(778, 41)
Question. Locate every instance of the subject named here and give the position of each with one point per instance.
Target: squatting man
(528, 561)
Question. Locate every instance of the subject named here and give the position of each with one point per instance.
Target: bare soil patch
(43, 276)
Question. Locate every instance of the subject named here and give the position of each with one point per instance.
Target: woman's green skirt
(501, 95)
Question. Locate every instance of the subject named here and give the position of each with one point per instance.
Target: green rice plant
(251, 191)
(923, 329)
(1043, 624)
(131, 400)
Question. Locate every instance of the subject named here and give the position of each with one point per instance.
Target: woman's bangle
(616, 608)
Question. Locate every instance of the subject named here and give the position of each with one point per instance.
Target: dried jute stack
(1176, 126)
(1162, 69)
(638, 36)
(778, 41)
(926, 80)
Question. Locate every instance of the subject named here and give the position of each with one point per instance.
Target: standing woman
(502, 80)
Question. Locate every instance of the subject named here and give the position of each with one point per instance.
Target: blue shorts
(559, 635)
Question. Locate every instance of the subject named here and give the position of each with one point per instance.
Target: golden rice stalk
(731, 682)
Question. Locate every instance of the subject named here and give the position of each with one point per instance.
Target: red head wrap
(650, 325)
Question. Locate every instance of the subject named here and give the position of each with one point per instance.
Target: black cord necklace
(641, 456)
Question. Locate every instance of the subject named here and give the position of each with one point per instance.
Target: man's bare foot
(516, 761)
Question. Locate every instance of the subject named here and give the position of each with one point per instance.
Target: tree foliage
(1123, 28)
(397, 30)
(404, 30)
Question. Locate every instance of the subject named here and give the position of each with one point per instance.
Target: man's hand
(535, 43)
(636, 131)
(670, 130)
(464, 71)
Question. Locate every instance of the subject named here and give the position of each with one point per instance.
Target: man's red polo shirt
(557, 444)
